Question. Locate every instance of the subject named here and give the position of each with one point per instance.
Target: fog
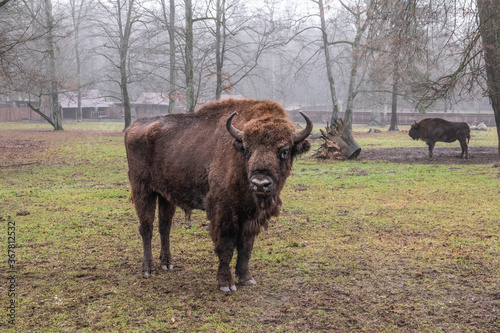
(268, 49)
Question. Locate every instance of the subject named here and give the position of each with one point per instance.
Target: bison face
(269, 146)
(414, 131)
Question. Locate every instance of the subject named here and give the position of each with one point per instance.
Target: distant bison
(432, 130)
(230, 158)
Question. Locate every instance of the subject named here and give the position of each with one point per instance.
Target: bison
(230, 158)
(432, 130)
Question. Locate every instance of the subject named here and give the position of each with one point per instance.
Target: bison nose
(261, 184)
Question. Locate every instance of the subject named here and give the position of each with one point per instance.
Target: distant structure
(94, 106)
(154, 103)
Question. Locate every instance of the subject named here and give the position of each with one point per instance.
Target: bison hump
(153, 131)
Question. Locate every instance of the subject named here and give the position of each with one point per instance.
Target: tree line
(344, 53)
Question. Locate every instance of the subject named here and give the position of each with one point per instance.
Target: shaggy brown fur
(192, 161)
(432, 130)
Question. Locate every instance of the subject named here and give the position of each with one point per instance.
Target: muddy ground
(15, 146)
(441, 155)
(309, 285)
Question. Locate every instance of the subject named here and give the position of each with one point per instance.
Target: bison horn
(236, 133)
(302, 135)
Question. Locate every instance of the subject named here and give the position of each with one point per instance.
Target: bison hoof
(228, 289)
(148, 268)
(146, 275)
(167, 267)
(250, 282)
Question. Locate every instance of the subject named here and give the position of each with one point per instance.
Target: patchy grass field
(360, 246)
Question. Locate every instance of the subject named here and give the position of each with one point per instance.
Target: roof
(152, 98)
(155, 98)
(90, 98)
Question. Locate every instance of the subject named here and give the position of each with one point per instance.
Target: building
(94, 106)
(153, 103)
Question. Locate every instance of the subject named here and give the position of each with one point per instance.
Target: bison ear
(301, 147)
(238, 145)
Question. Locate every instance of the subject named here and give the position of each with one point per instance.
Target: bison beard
(230, 158)
(432, 130)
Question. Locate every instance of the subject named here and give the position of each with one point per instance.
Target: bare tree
(361, 12)
(338, 140)
(124, 15)
(220, 44)
(489, 17)
(359, 17)
(400, 48)
(77, 16)
(173, 77)
(16, 30)
(3, 3)
(54, 95)
(401, 25)
(189, 62)
(246, 44)
(48, 25)
(329, 72)
(159, 20)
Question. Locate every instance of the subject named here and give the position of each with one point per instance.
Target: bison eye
(239, 146)
(283, 153)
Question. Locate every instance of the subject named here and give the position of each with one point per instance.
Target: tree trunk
(351, 91)
(190, 101)
(329, 72)
(338, 143)
(127, 109)
(76, 25)
(489, 16)
(54, 96)
(394, 108)
(125, 31)
(43, 115)
(172, 95)
(356, 54)
(219, 46)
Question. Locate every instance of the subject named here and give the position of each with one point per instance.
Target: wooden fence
(317, 116)
(18, 114)
(404, 118)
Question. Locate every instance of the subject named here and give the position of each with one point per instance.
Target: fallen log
(338, 143)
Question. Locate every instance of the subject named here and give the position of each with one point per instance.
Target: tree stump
(338, 143)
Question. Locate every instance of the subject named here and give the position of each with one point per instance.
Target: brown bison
(432, 130)
(231, 158)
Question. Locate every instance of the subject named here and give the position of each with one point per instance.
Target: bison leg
(225, 251)
(145, 205)
(431, 147)
(465, 149)
(224, 277)
(166, 211)
(245, 246)
(224, 232)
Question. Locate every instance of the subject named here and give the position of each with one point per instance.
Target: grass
(360, 246)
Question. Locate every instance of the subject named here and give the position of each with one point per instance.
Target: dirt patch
(24, 147)
(18, 152)
(442, 155)
(401, 264)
